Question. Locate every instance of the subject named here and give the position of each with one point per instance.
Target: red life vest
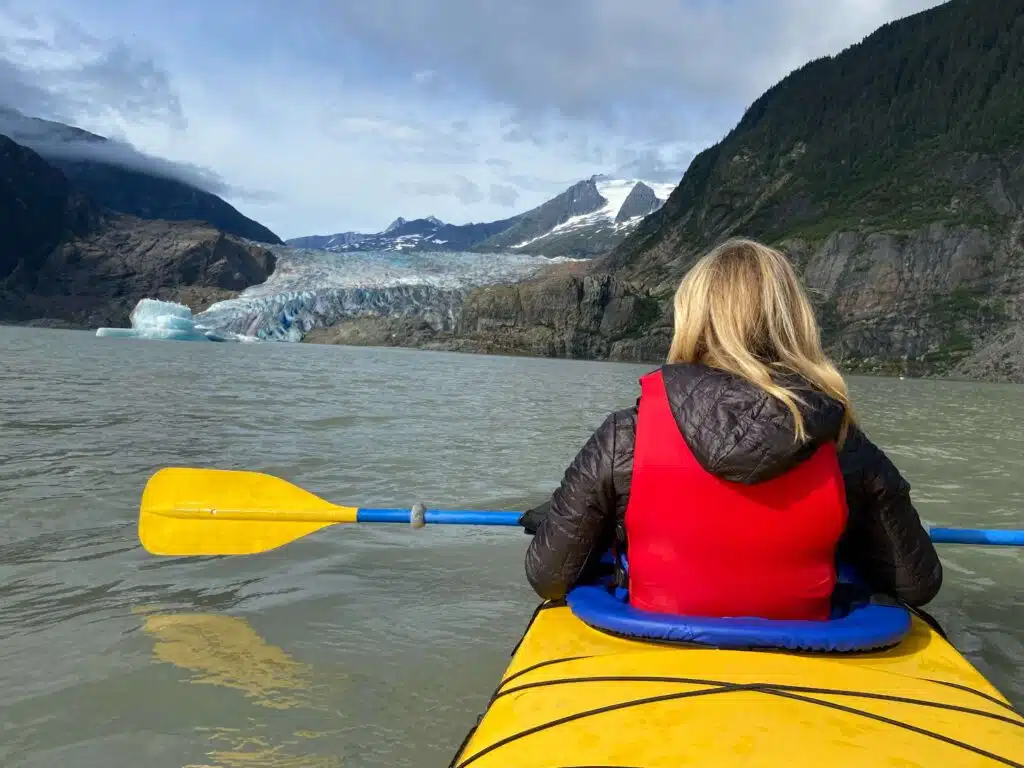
(702, 546)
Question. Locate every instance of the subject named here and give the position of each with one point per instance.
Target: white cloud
(381, 161)
(54, 66)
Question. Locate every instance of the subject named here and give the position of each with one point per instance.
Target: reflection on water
(226, 651)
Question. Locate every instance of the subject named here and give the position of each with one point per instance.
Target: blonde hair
(741, 309)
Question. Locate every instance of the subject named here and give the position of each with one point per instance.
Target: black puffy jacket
(742, 434)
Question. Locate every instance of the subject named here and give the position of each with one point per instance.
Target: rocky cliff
(892, 174)
(38, 209)
(65, 260)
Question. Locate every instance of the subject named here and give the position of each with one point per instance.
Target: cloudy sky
(316, 116)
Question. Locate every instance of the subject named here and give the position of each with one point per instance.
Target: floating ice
(163, 320)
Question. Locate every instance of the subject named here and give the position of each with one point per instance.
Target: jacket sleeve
(581, 518)
(884, 538)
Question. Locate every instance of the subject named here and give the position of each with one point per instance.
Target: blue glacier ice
(314, 289)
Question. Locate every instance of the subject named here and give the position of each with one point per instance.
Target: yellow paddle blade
(228, 512)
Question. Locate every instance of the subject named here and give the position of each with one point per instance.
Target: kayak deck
(575, 696)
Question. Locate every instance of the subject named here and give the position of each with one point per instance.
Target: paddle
(229, 512)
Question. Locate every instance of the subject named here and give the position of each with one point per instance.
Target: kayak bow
(575, 696)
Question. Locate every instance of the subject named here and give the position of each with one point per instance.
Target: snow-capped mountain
(587, 219)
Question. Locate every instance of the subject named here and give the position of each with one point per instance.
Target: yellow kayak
(577, 696)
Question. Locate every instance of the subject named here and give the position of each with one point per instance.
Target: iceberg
(163, 320)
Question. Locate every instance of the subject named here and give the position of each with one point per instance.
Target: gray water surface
(364, 645)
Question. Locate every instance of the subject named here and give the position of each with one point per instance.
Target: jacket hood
(738, 431)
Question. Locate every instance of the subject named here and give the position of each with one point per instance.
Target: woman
(740, 477)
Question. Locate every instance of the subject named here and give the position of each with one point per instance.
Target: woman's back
(731, 526)
(753, 418)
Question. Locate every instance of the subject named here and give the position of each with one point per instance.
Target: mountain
(429, 234)
(587, 219)
(337, 242)
(124, 180)
(891, 173)
(38, 210)
(640, 201)
(66, 260)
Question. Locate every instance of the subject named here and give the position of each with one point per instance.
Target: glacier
(315, 289)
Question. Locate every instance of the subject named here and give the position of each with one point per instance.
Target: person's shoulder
(861, 457)
(622, 419)
(624, 415)
(614, 424)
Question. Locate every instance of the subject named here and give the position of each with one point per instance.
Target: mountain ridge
(102, 168)
(69, 261)
(583, 221)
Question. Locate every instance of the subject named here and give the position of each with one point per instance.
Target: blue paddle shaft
(1007, 538)
(992, 536)
(439, 516)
